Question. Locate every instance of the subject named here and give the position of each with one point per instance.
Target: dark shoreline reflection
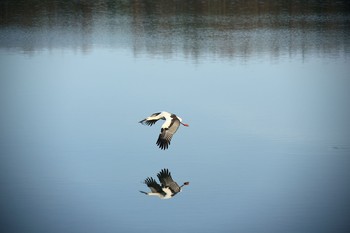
(220, 28)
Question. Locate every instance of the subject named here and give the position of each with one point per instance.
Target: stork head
(180, 119)
(184, 184)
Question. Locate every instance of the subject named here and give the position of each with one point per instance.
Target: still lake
(264, 86)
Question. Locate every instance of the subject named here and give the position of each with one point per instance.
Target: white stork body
(169, 128)
(168, 188)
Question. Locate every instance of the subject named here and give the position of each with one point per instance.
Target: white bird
(168, 188)
(169, 128)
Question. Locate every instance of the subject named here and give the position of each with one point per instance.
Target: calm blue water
(264, 87)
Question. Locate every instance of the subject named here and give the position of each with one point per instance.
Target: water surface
(264, 87)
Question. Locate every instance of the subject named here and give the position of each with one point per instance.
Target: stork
(169, 128)
(168, 188)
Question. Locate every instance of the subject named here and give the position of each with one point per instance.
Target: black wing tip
(149, 180)
(144, 122)
(165, 170)
(164, 173)
(148, 122)
(156, 114)
(163, 143)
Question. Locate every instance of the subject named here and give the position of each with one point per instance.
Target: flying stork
(169, 128)
(168, 188)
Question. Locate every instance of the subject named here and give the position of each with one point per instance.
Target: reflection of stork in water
(168, 189)
(169, 128)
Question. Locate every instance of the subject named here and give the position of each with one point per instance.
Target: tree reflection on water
(193, 28)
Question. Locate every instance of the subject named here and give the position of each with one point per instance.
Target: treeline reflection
(193, 28)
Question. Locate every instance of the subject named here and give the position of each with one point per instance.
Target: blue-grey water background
(264, 85)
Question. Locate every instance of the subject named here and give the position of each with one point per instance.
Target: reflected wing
(167, 181)
(153, 185)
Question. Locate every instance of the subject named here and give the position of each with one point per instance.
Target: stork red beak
(185, 124)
